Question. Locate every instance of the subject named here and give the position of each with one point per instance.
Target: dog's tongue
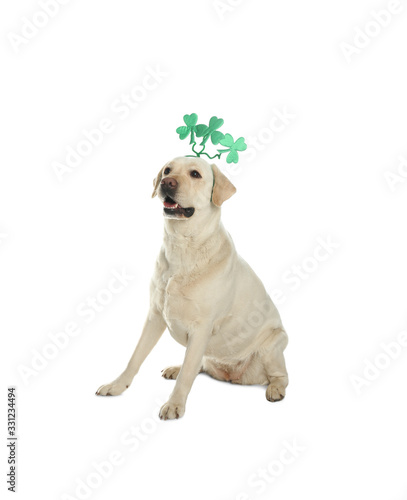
(168, 204)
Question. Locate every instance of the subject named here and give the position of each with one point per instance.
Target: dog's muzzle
(173, 209)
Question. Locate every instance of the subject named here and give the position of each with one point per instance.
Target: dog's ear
(156, 182)
(223, 189)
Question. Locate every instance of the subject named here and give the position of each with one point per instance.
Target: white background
(323, 176)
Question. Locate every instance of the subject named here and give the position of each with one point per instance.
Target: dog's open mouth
(171, 207)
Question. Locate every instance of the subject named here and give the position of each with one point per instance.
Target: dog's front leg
(175, 406)
(153, 329)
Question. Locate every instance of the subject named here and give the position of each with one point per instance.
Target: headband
(210, 131)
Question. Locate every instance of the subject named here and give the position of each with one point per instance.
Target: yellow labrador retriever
(207, 296)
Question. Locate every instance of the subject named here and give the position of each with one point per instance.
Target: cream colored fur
(208, 297)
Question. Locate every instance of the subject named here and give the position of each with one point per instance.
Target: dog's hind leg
(272, 357)
(171, 373)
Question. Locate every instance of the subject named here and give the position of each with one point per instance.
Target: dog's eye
(167, 171)
(196, 174)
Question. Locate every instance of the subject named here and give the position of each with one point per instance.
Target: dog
(207, 296)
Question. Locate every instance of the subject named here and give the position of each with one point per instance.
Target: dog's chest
(178, 305)
(178, 298)
(178, 291)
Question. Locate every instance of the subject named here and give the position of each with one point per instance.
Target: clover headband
(211, 131)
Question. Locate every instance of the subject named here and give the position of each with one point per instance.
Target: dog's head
(189, 185)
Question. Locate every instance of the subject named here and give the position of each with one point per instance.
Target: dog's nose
(169, 183)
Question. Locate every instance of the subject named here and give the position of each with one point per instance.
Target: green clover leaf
(190, 128)
(211, 131)
(216, 137)
(227, 141)
(233, 148)
(208, 131)
(190, 120)
(183, 132)
(215, 123)
(201, 130)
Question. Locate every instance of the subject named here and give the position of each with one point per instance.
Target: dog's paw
(171, 372)
(171, 410)
(275, 392)
(114, 388)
